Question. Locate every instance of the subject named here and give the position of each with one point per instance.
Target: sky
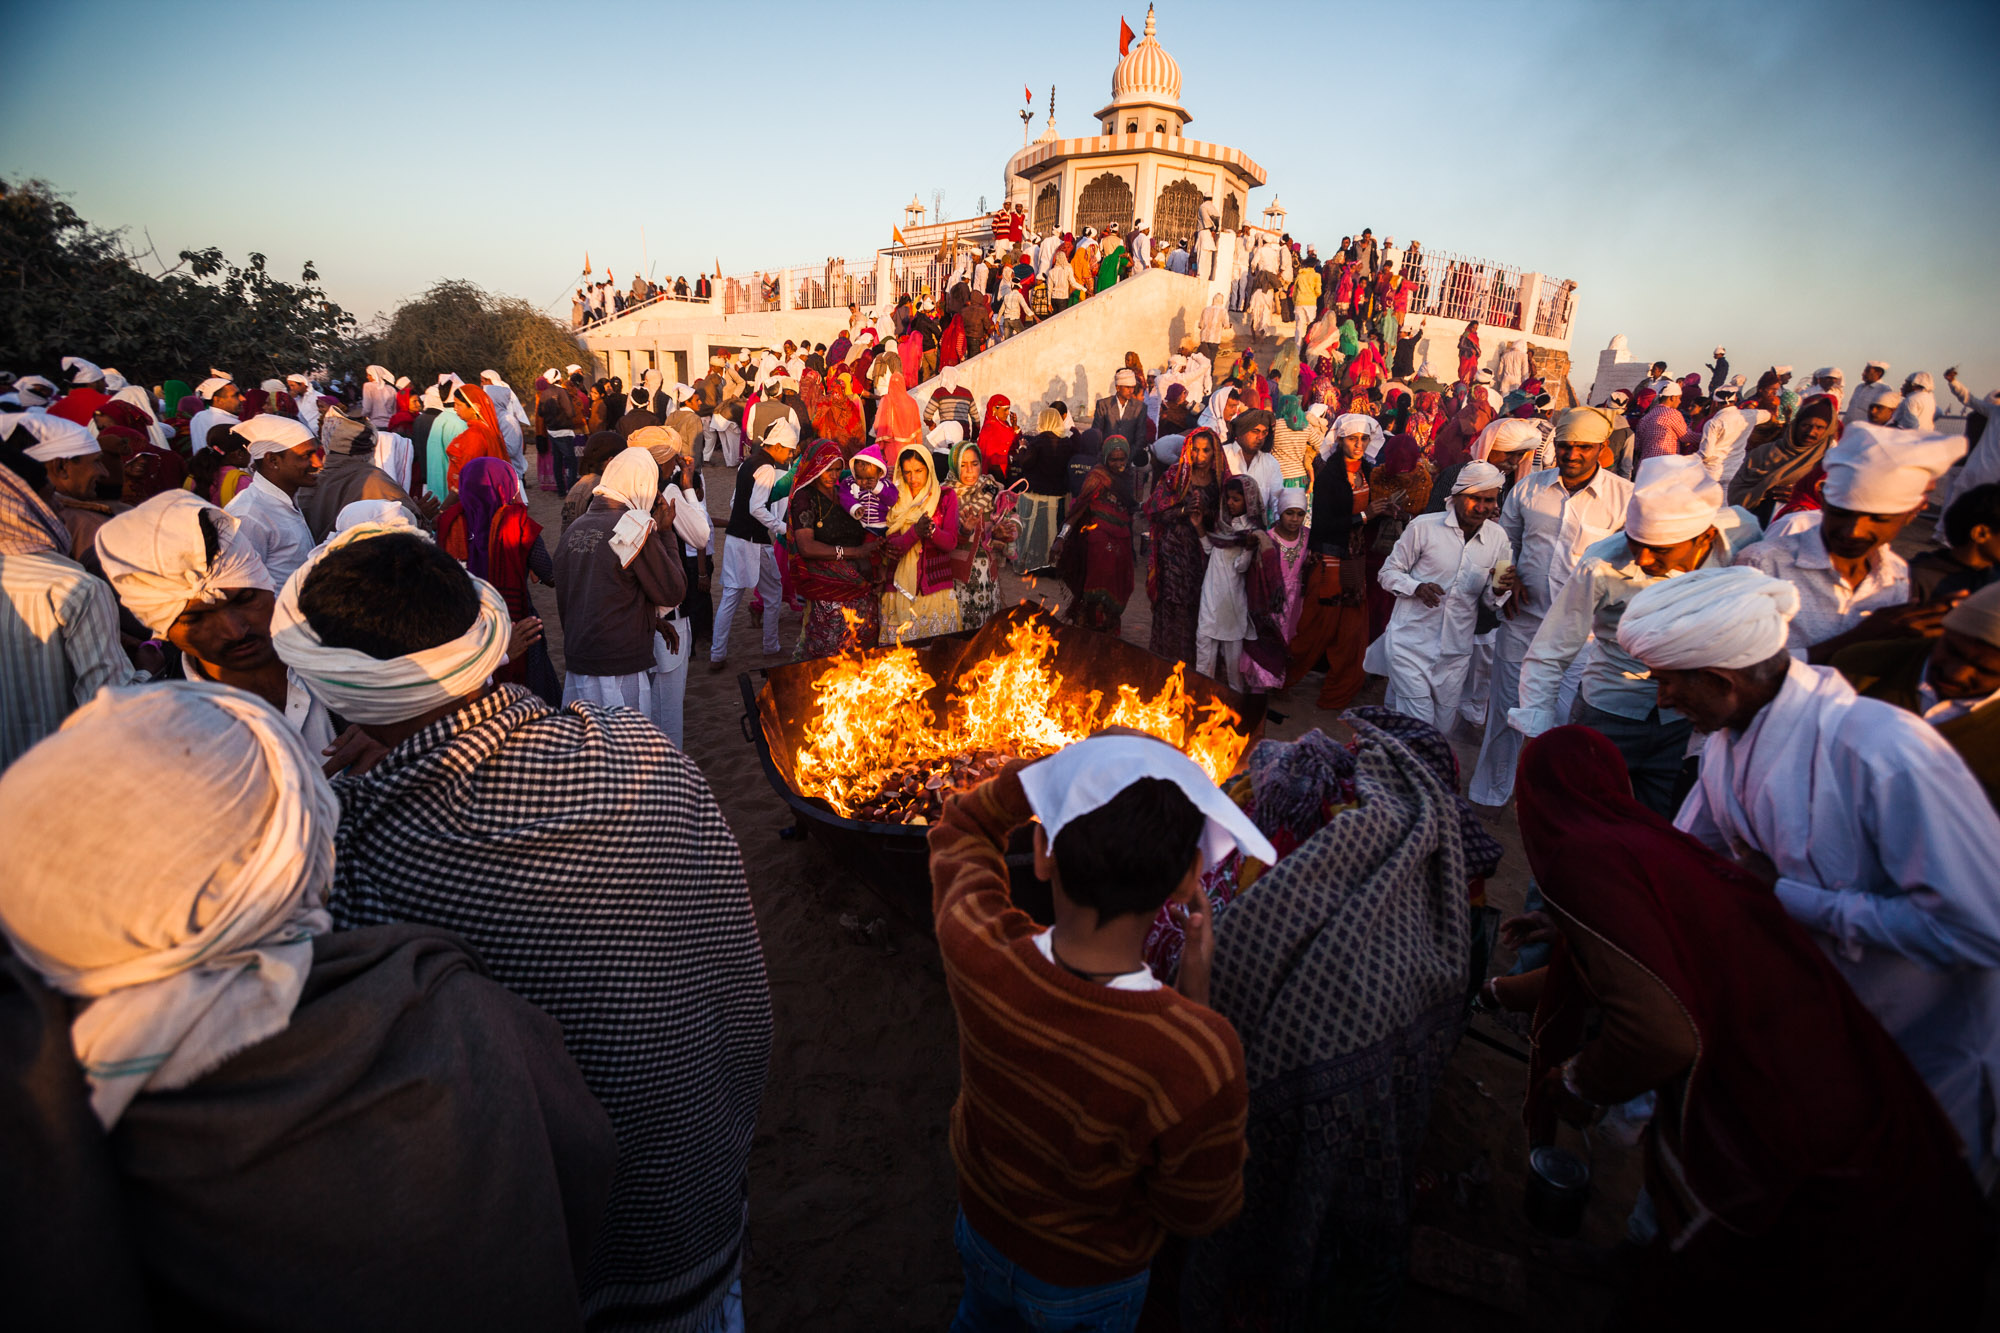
(1808, 184)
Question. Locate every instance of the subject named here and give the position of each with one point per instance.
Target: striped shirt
(58, 648)
(1090, 1121)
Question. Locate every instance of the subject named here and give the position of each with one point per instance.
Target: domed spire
(1147, 74)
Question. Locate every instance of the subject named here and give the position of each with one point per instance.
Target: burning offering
(886, 742)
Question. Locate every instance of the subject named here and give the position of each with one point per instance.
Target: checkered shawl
(586, 860)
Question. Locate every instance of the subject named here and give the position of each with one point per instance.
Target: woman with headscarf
(920, 600)
(1115, 263)
(1094, 549)
(997, 434)
(1801, 1172)
(898, 420)
(1468, 353)
(833, 560)
(1044, 466)
(840, 417)
(487, 528)
(1772, 472)
(1188, 496)
(1223, 405)
(980, 526)
(481, 437)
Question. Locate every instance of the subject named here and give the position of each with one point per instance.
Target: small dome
(1147, 73)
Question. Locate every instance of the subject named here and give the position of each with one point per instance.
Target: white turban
(631, 478)
(155, 557)
(1506, 436)
(34, 391)
(1733, 617)
(1088, 774)
(1876, 470)
(189, 939)
(376, 690)
(269, 434)
(56, 437)
(81, 371)
(490, 377)
(1673, 499)
(402, 381)
(782, 433)
(385, 513)
(1478, 476)
(213, 385)
(552, 375)
(113, 381)
(380, 375)
(1978, 616)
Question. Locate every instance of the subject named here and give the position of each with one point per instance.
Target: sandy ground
(851, 1186)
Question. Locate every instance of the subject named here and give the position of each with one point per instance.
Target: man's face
(232, 632)
(1880, 414)
(1962, 667)
(1709, 699)
(1767, 398)
(1871, 374)
(78, 478)
(226, 399)
(1253, 439)
(294, 467)
(1813, 429)
(1657, 562)
(1853, 536)
(1476, 507)
(1576, 460)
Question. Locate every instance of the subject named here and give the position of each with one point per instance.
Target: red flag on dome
(1125, 35)
(1028, 93)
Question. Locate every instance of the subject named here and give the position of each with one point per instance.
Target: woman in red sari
(1802, 1173)
(488, 528)
(837, 414)
(481, 437)
(997, 435)
(1094, 549)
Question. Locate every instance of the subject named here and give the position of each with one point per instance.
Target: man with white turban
(1919, 407)
(1852, 586)
(284, 458)
(580, 853)
(219, 391)
(749, 563)
(1675, 522)
(75, 464)
(1725, 436)
(1982, 466)
(378, 397)
(171, 933)
(59, 635)
(1442, 568)
(1550, 519)
(306, 397)
(1871, 830)
(1868, 391)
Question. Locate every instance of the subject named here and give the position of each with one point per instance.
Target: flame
(874, 713)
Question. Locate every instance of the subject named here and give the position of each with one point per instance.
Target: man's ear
(1045, 861)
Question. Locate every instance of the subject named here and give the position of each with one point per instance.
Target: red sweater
(1090, 1122)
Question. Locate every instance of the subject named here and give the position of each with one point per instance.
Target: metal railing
(1556, 308)
(631, 307)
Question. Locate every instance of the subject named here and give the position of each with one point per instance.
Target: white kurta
(1725, 441)
(1885, 848)
(378, 403)
(274, 525)
(1225, 614)
(1424, 649)
(1549, 526)
(202, 422)
(1828, 607)
(392, 455)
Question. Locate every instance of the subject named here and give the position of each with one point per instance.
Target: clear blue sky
(1807, 183)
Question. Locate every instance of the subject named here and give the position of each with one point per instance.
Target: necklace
(1077, 971)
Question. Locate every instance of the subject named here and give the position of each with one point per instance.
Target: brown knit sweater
(1090, 1122)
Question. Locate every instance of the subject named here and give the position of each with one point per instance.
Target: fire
(874, 714)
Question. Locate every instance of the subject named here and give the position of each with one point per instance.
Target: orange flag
(898, 233)
(1125, 35)
(586, 261)
(1029, 93)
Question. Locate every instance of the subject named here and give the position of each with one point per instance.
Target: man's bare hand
(526, 634)
(354, 751)
(1430, 594)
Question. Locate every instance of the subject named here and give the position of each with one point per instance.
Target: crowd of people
(461, 936)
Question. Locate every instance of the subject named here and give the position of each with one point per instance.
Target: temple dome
(1146, 74)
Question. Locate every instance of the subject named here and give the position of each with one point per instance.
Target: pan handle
(743, 723)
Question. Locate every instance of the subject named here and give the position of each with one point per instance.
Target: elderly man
(585, 859)
(75, 465)
(59, 640)
(1550, 519)
(1877, 480)
(1442, 568)
(1124, 413)
(1675, 523)
(222, 397)
(284, 459)
(749, 564)
(1871, 830)
(1951, 682)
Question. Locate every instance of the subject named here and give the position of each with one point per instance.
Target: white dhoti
(1478, 682)
(747, 566)
(657, 693)
(1425, 688)
(1493, 776)
(724, 433)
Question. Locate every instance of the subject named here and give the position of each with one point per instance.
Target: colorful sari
(843, 611)
(921, 599)
(481, 438)
(838, 416)
(1097, 557)
(997, 435)
(488, 528)
(972, 562)
(1284, 564)
(1175, 569)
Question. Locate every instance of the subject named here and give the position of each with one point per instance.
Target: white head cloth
(1505, 436)
(113, 380)
(34, 391)
(371, 689)
(381, 375)
(491, 377)
(384, 513)
(56, 438)
(1732, 617)
(213, 385)
(1085, 776)
(631, 478)
(1673, 499)
(81, 371)
(1478, 476)
(273, 387)
(1876, 470)
(193, 941)
(782, 433)
(154, 555)
(270, 434)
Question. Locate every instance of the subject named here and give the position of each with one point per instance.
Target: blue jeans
(1001, 1297)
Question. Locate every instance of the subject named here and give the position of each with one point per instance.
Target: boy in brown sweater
(1098, 1110)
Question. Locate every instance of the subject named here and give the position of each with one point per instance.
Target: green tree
(458, 328)
(68, 288)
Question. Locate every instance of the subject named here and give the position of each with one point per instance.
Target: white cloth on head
(381, 375)
(368, 689)
(1478, 476)
(1735, 617)
(383, 513)
(56, 437)
(1506, 436)
(194, 941)
(1876, 470)
(81, 371)
(1673, 499)
(156, 557)
(213, 385)
(1353, 423)
(782, 433)
(631, 478)
(268, 434)
(1088, 774)
(34, 391)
